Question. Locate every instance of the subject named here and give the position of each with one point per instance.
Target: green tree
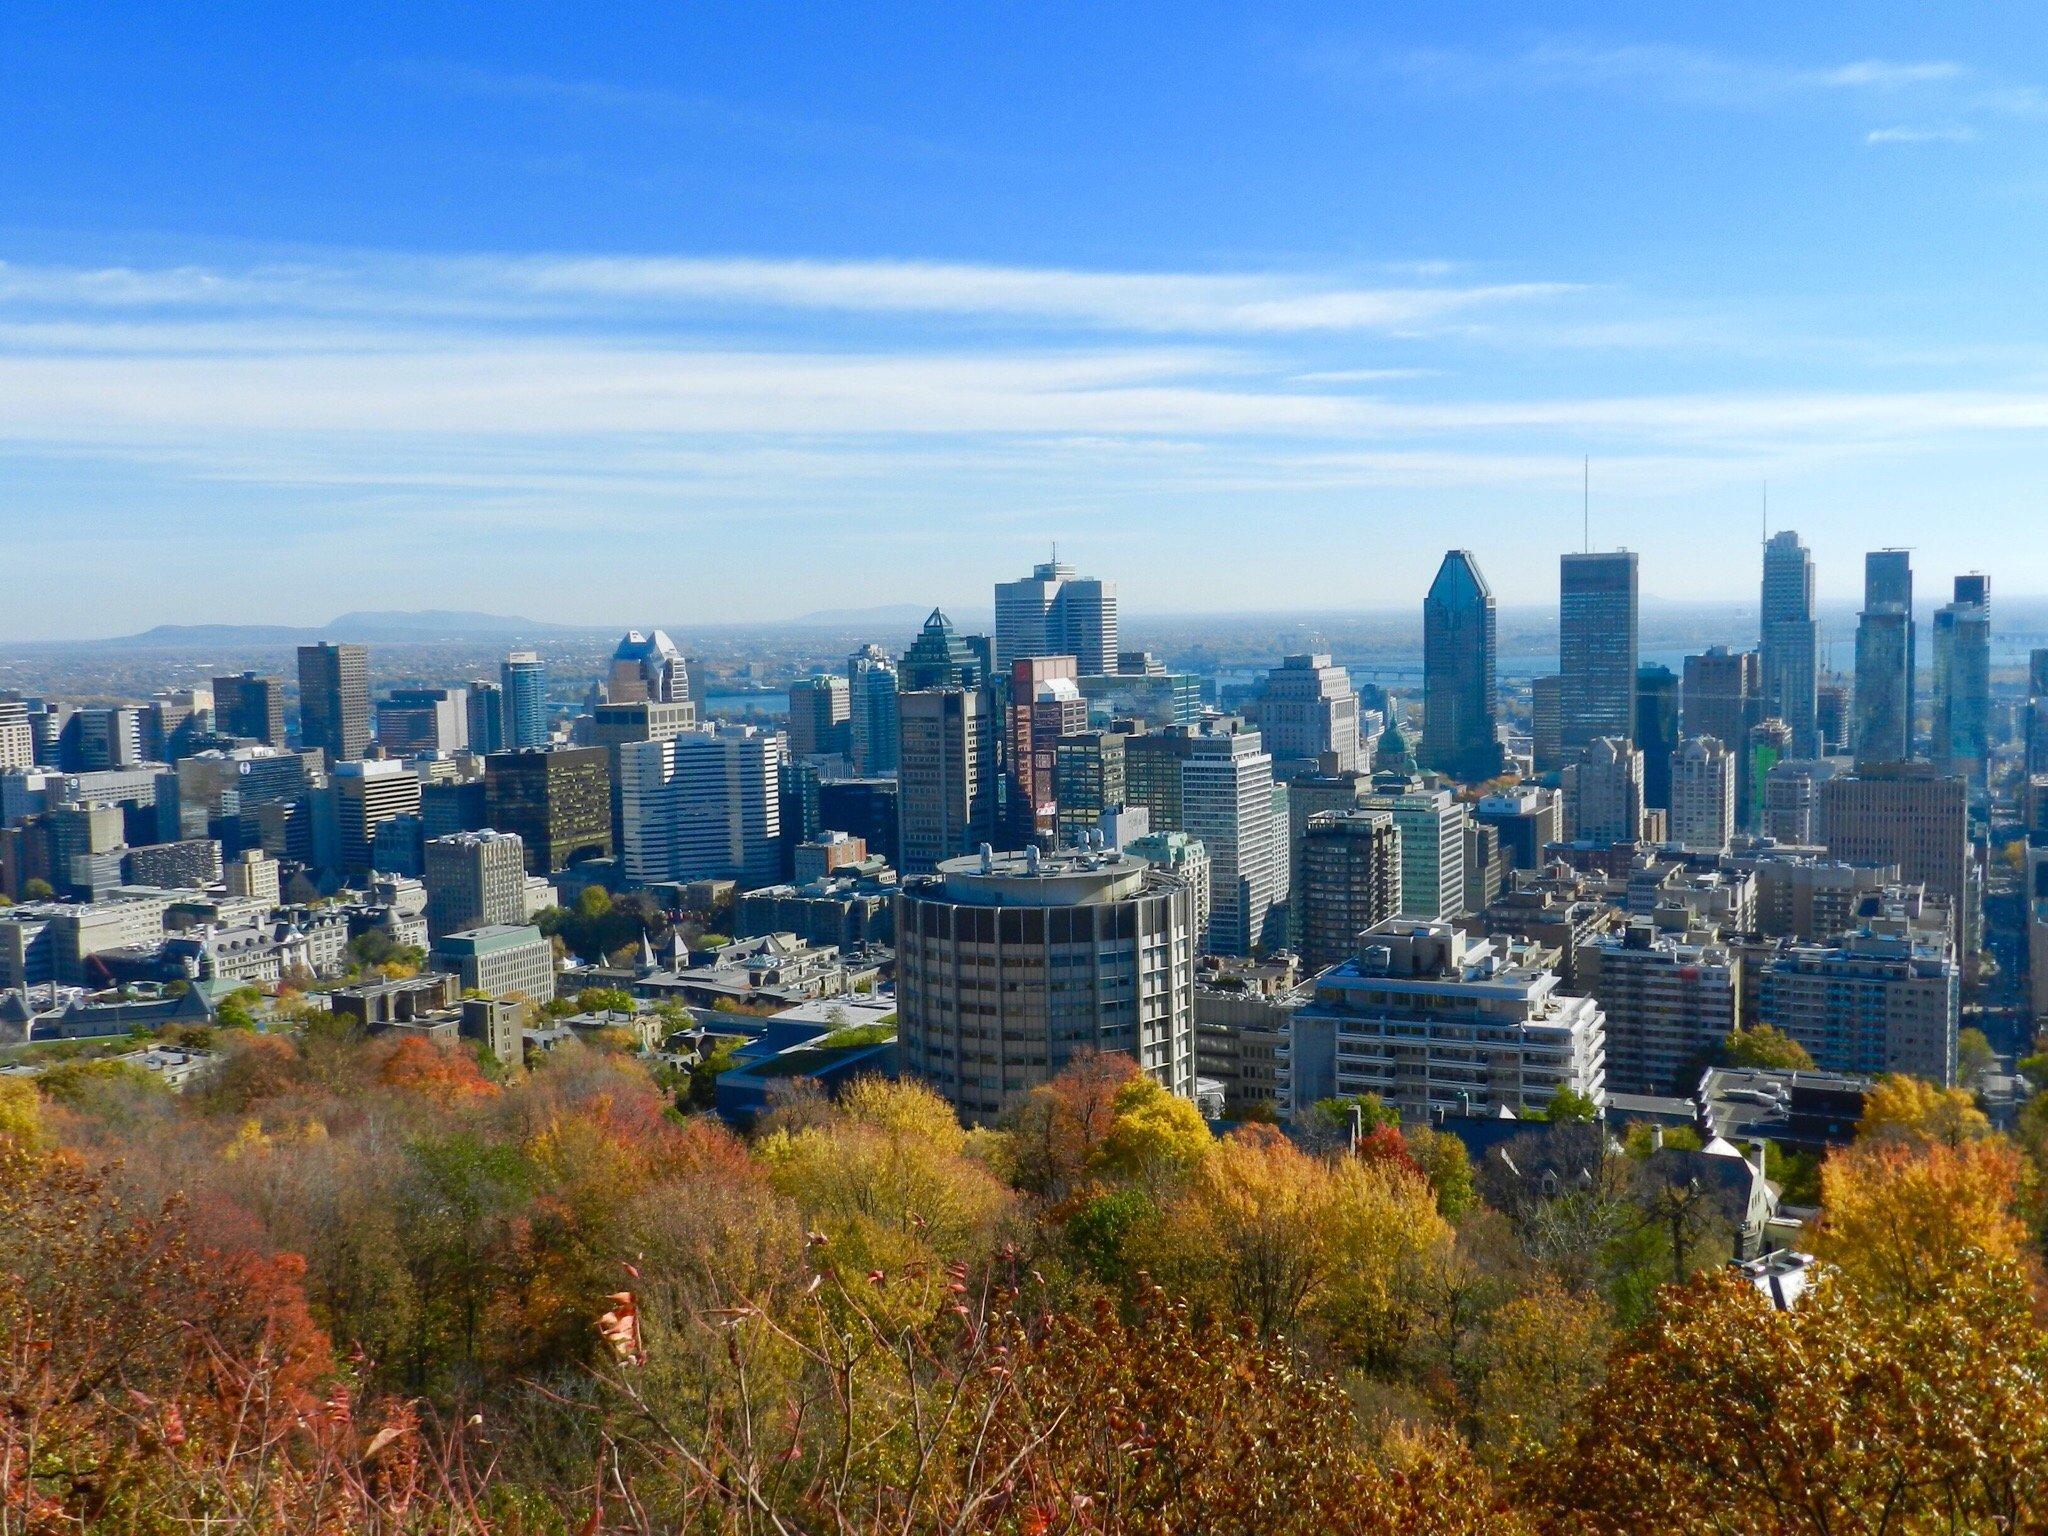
(37, 889)
(1975, 1059)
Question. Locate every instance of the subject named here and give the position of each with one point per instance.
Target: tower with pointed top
(1790, 639)
(1460, 705)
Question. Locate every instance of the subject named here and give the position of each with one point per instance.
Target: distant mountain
(377, 627)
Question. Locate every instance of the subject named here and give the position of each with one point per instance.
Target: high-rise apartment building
(473, 880)
(558, 802)
(1460, 702)
(1790, 648)
(334, 700)
(946, 775)
(249, 707)
(1350, 881)
(1885, 998)
(1053, 612)
(820, 717)
(1306, 710)
(1885, 635)
(703, 804)
(1703, 773)
(1603, 793)
(1437, 1022)
(525, 681)
(2035, 722)
(1960, 742)
(1010, 965)
(1226, 800)
(871, 689)
(368, 794)
(1596, 649)
(1669, 999)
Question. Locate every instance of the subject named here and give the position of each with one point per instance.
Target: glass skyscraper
(1596, 649)
(525, 681)
(1961, 739)
(1460, 704)
(1884, 659)
(1790, 639)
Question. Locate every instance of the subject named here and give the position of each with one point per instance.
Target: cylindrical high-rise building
(1008, 965)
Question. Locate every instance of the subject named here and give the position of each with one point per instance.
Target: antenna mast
(1586, 504)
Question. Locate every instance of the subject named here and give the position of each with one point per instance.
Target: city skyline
(1370, 285)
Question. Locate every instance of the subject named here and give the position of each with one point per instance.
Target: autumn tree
(1900, 1219)
(1766, 1046)
(1902, 1108)
(1288, 1241)
(1846, 1414)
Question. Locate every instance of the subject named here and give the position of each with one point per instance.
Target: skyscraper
(1045, 703)
(1722, 698)
(1053, 612)
(250, 707)
(1960, 742)
(941, 658)
(1350, 881)
(818, 717)
(486, 717)
(1227, 802)
(525, 682)
(334, 700)
(559, 803)
(1657, 731)
(1790, 639)
(1306, 709)
(946, 775)
(1460, 708)
(703, 804)
(647, 667)
(1596, 649)
(871, 688)
(1884, 659)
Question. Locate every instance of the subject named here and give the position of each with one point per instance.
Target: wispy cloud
(644, 287)
(1951, 133)
(1669, 72)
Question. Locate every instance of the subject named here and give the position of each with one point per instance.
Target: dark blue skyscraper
(1596, 649)
(1790, 636)
(1460, 705)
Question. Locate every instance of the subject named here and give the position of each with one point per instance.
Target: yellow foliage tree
(1900, 1218)
(1155, 1136)
(1290, 1242)
(1902, 1108)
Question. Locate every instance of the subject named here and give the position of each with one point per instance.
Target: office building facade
(334, 700)
(1702, 776)
(524, 679)
(1597, 630)
(1055, 612)
(1885, 650)
(703, 804)
(1350, 881)
(1790, 640)
(559, 803)
(946, 775)
(1306, 711)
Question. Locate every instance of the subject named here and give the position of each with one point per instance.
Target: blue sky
(621, 313)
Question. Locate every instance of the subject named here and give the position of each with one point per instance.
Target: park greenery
(345, 1283)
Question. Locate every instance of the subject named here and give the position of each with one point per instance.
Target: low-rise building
(501, 960)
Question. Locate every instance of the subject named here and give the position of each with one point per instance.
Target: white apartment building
(1434, 1020)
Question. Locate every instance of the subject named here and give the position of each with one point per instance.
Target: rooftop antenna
(1586, 504)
